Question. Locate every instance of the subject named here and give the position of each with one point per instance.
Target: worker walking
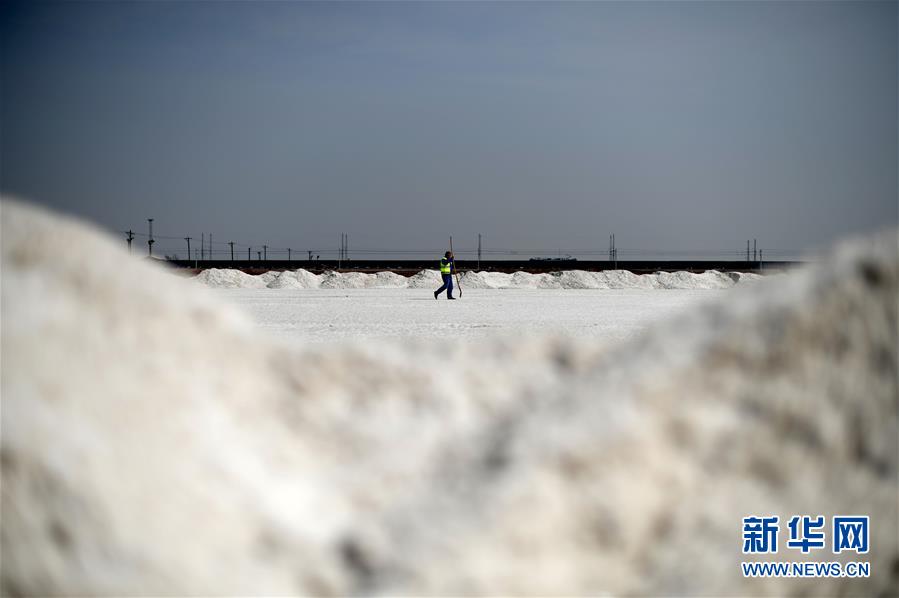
(447, 268)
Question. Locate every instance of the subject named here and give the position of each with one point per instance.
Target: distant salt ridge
(225, 278)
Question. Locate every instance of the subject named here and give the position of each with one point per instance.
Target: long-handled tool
(456, 272)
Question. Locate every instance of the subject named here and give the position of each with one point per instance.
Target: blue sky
(676, 125)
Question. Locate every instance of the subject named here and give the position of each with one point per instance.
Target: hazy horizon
(546, 127)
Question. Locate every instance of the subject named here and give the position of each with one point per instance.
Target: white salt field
(324, 315)
(613, 305)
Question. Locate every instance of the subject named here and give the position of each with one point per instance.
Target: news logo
(848, 533)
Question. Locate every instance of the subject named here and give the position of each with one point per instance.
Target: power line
(341, 253)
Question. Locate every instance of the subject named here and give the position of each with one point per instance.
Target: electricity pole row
(753, 253)
(204, 252)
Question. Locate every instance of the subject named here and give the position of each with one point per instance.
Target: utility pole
(202, 246)
(479, 251)
(188, 246)
(210, 245)
(614, 251)
(342, 252)
(339, 251)
(309, 259)
(755, 253)
(150, 241)
(131, 238)
(747, 250)
(248, 253)
(231, 243)
(265, 251)
(288, 255)
(761, 261)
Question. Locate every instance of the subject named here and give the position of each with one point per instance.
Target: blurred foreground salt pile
(153, 443)
(573, 279)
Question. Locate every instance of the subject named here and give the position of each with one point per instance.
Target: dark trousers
(447, 285)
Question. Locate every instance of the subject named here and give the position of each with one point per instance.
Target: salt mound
(297, 280)
(307, 279)
(744, 277)
(358, 280)
(285, 280)
(525, 280)
(426, 279)
(267, 277)
(549, 280)
(330, 280)
(390, 280)
(485, 280)
(578, 279)
(624, 279)
(474, 280)
(227, 278)
(302, 279)
(347, 280)
(174, 450)
(711, 279)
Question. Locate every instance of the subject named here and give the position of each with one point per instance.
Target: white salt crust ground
(154, 442)
(342, 315)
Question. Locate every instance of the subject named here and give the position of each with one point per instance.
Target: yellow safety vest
(445, 266)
